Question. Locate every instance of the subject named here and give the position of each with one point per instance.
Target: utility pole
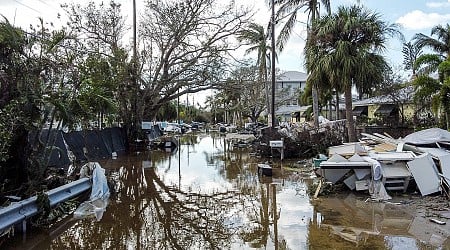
(134, 31)
(272, 25)
(134, 78)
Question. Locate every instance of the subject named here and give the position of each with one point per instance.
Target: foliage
(433, 94)
(256, 37)
(9, 121)
(440, 44)
(411, 51)
(343, 48)
(427, 64)
(105, 76)
(425, 89)
(290, 8)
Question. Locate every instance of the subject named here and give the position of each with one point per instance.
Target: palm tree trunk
(269, 111)
(315, 97)
(349, 114)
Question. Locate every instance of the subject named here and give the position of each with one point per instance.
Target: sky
(413, 16)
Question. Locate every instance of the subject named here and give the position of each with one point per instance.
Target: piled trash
(380, 163)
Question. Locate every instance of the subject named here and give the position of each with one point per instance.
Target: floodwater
(208, 195)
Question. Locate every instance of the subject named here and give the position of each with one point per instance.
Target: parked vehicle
(172, 128)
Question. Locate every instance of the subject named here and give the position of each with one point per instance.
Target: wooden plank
(318, 189)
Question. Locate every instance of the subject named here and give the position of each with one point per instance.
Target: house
(287, 87)
(392, 109)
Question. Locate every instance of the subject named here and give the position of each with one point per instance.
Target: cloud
(438, 4)
(417, 20)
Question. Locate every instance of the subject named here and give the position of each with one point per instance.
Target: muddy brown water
(208, 195)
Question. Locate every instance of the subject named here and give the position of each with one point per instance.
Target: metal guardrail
(22, 210)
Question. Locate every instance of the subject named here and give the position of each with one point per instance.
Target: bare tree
(186, 46)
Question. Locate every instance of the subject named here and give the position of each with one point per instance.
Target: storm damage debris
(301, 140)
(380, 163)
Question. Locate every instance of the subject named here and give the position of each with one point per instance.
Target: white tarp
(98, 201)
(428, 136)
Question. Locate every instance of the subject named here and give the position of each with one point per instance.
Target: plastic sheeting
(428, 136)
(98, 200)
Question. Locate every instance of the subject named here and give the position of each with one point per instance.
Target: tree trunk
(447, 120)
(330, 110)
(315, 97)
(337, 106)
(349, 114)
(269, 111)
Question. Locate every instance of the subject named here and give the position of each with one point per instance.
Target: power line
(27, 6)
(49, 5)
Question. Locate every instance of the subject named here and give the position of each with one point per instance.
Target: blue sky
(415, 16)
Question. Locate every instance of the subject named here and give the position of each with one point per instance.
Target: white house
(287, 86)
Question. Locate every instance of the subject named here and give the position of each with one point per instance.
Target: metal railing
(20, 211)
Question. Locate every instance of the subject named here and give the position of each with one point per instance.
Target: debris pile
(302, 140)
(380, 163)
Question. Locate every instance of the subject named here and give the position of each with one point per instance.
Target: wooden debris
(318, 189)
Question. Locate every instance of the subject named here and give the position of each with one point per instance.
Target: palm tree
(346, 45)
(290, 8)
(429, 63)
(426, 64)
(411, 51)
(256, 37)
(441, 44)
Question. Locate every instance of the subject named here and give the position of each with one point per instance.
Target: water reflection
(207, 195)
